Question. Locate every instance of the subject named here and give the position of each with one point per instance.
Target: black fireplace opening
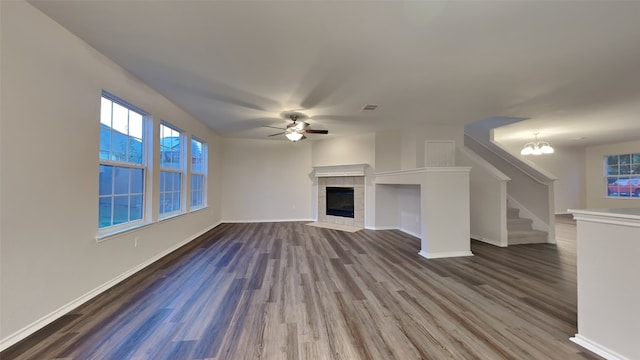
(340, 201)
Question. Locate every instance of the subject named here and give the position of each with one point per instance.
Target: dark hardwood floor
(291, 291)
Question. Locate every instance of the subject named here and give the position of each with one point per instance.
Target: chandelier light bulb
(537, 147)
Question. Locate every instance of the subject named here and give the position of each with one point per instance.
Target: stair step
(513, 213)
(516, 224)
(527, 237)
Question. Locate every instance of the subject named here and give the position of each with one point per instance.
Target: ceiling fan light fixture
(293, 136)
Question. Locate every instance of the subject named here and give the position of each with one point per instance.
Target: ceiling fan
(297, 129)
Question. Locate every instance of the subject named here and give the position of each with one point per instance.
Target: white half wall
(596, 181)
(51, 87)
(267, 180)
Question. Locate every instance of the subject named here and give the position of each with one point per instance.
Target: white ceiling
(571, 67)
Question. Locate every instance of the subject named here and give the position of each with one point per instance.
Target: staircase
(520, 230)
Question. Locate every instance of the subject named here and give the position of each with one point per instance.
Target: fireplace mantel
(340, 170)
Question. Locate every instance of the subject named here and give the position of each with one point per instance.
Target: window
(171, 170)
(122, 163)
(623, 175)
(198, 173)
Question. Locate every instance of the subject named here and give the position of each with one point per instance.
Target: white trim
(444, 254)
(450, 169)
(340, 170)
(488, 241)
(410, 233)
(376, 228)
(102, 236)
(625, 217)
(51, 317)
(597, 348)
(497, 174)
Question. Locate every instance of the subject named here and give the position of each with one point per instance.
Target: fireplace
(343, 181)
(339, 201)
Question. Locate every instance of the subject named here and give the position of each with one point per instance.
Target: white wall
(595, 179)
(568, 165)
(408, 197)
(267, 180)
(356, 149)
(51, 88)
(488, 198)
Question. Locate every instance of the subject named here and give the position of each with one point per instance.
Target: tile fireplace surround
(341, 176)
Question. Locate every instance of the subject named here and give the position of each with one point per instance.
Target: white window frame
(204, 173)
(634, 173)
(180, 170)
(145, 219)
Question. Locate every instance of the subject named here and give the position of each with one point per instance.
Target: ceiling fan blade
(309, 131)
(273, 127)
(280, 133)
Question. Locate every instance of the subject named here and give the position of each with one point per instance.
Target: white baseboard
(488, 241)
(408, 232)
(51, 317)
(444, 254)
(381, 228)
(597, 348)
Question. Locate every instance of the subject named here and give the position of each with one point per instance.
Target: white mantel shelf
(340, 170)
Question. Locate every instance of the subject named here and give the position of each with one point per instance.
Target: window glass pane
(135, 124)
(121, 180)
(120, 118)
(625, 159)
(196, 156)
(136, 207)
(105, 184)
(118, 146)
(166, 181)
(612, 160)
(120, 209)
(105, 142)
(137, 181)
(176, 201)
(625, 169)
(104, 211)
(636, 158)
(177, 181)
(135, 151)
(105, 112)
(163, 203)
(169, 147)
(612, 170)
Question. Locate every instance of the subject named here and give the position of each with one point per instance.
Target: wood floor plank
(291, 291)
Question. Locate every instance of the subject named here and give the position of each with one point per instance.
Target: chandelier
(536, 147)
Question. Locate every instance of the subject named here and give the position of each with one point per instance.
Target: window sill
(113, 233)
(171, 216)
(192, 210)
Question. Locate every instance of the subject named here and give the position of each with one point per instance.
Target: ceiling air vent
(369, 107)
